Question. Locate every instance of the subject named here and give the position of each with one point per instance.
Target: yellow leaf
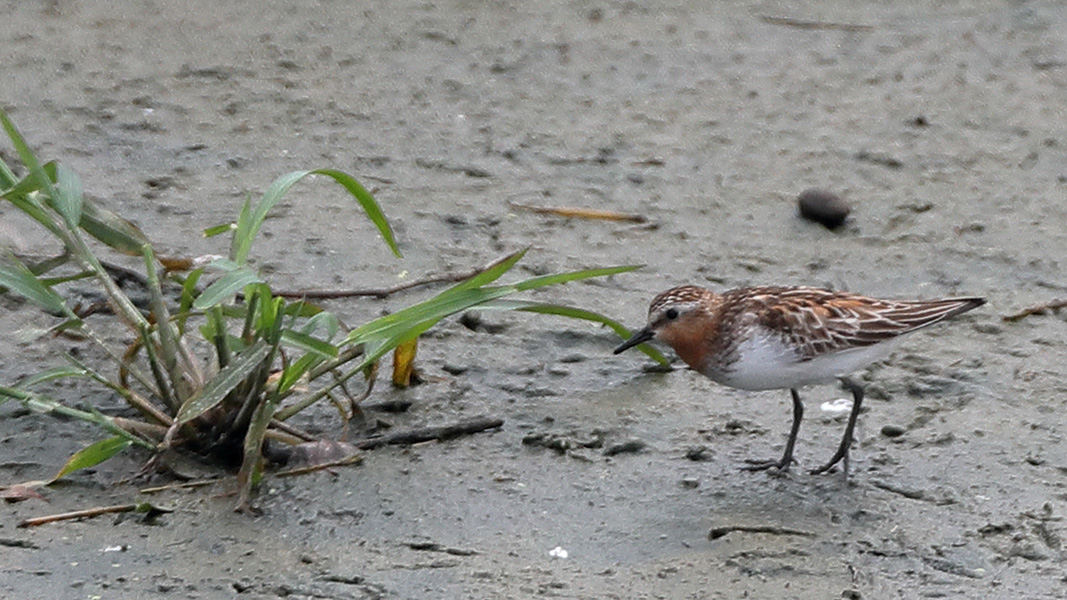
(404, 363)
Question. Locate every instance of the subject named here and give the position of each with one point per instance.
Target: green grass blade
(302, 309)
(219, 229)
(367, 202)
(382, 335)
(19, 195)
(215, 391)
(29, 184)
(292, 374)
(248, 330)
(27, 156)
(372, 351)
(214, 330)
(324, 320)
(169, 338)
(546, 280)
(252, 465)
(114, 231)
(163, 388)
(69, 196)
(20, 280)
(432, 311)
(224, 264)
(489, 275)
(45, 405)
(269, 321)
(223, 289)
(244, 230)
(7, 176)
(307, 343)
(574, 313)
(455, 300)
(188, 296)
(54, 281)
(59, 372)
(380, 347)
(249, 223)
(94, 454)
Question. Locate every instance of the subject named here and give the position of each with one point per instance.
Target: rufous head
(674, 317)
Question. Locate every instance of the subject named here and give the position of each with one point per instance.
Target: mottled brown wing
(823, 322)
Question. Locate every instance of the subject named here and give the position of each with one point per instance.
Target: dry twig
(351, 460)
(182, 485)
(1037, 309)
(581, 213)
(425, 434)
(718, 532)
(92, 512)
(802, 24)
(382, 293)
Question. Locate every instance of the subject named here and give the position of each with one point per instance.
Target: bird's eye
(671, 313)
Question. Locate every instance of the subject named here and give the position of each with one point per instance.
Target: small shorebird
(769, 338)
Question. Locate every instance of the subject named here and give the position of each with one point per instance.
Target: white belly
(765, 363)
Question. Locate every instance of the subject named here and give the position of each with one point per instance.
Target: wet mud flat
(941, 126)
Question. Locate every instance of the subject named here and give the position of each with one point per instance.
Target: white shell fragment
(839, 406)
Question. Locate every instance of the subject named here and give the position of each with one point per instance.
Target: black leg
(787, 456)
(846, 440)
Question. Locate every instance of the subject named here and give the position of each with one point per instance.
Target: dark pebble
(627, 447)
(892, 431)
(880, 159)
(391, 406)
(574, 358)
(698, 453)
(455, 369)
(823, 206)
(473, 321)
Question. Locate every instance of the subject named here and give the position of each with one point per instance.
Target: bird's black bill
(638, 338)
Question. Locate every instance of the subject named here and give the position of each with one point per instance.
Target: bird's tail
(923, 313)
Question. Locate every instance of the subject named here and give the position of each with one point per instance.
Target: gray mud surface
(943, 124)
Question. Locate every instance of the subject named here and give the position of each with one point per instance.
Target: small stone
(473, 320)
(698, 453)
(690, 483)
(892, 431)
(627, 447)
(823, 206)
(455, 368)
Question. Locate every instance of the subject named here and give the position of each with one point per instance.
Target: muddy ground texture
(943, 125)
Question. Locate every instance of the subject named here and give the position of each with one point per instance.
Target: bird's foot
(843, 459)
(782, 465)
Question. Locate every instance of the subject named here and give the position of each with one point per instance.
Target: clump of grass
(259, 346)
